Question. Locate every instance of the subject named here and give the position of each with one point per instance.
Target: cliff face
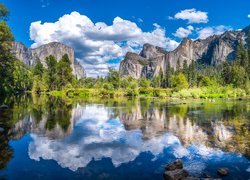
(31, 56)
(213, 50)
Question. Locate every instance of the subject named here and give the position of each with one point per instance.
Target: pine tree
(241, 55)
(64, 72)
(178, 66)
(51, 72)
(38, 69)
(168, 74)
(185, 68)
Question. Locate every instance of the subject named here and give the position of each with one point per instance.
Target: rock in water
(175, 165)
(223, 171)
(177, 174)
(1, 129)
(30, 56)
(153, 60)
(4, 106)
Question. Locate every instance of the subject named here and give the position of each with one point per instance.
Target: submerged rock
(4, 106)
(175, 165)
(223, 171)
(177, 174)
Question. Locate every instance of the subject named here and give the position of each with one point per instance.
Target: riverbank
(192, 93)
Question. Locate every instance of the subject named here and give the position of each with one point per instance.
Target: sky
(103, 31)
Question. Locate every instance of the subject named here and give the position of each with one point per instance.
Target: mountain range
(213, 50)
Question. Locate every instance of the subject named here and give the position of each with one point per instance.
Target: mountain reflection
(75, 133)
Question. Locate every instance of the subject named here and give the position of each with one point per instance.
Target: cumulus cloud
(192, 15)
(209, 31)
(182, 32)
(97, 43)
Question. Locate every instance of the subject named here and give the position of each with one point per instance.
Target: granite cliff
(30, 56)
(213, 50)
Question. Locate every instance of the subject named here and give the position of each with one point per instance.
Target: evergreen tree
(38, 69)
(241, 55)
(51, 72)
(185, 68)
(192, 74)
(178, 66)
(168, 74)
(64, 72)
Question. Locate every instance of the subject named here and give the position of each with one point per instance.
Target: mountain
(213, 50)
(30, 56)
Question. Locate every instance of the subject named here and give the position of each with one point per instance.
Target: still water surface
(54, 138)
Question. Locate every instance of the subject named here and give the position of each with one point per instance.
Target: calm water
(53, 138)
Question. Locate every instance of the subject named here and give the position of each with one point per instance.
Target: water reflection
(76, 133)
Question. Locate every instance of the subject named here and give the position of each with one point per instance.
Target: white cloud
(97, 43)
(192, 16)
(209, 31)
(182, 32)
(248, 15)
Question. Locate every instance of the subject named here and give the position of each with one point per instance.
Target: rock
(177, 174)
(1, 129)
(30, 56)
(175, 165)
(206, 175)
(213, 50)
(4, 106)
(190, 178)
(223, 171)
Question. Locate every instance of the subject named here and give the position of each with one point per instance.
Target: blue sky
(102, 31)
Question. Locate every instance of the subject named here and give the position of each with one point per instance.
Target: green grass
(191, 93)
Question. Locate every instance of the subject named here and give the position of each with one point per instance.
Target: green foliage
(64, 74)
(22, 77)
(51, 72)
(179, 82)
(6, 59)
(38, 85)
(38, 69)
(144, 83)
(114, 78)
(4, 12)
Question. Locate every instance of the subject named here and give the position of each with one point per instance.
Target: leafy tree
(179, 82)
(6, 59)
(114, 78)
(239, 76)
(4, 12)
(144, 83)
(206, 81)
(22, 77)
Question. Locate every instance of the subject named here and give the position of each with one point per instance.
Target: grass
(191, 93)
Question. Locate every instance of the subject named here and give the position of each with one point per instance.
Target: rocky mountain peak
(213, 50)
(30, 56)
